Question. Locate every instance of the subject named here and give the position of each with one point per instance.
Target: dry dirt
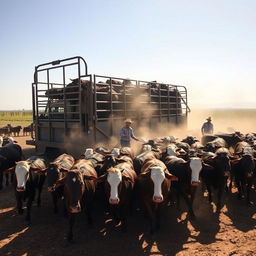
(232, 232)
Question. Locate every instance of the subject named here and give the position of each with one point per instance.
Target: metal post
(65, 103)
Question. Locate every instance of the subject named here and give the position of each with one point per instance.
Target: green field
(23, 118)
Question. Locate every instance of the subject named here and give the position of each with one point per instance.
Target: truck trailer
(74, 109)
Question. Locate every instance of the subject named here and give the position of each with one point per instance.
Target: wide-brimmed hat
(128, 121)
(209, 118)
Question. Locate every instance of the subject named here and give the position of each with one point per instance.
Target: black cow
(29, 177)
(243, 170)
(15, 130)
(140, 159)
(9, 154)
(28, 130)
(154, 186)
(187, 173)
(216, 174)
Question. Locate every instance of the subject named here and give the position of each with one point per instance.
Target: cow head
(247, 165)
(222, 161)
(195, 165)
(115, 152)
(88, 153)
(146, 148)
(54, 173)
(114, 179)
(74, 189)
(171, 150)
(22, 175)
(157, 175)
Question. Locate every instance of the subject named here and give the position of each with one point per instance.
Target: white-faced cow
(29, 178)
(154, 186)
(188, 174)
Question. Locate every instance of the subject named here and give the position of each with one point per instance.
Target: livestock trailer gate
(70, 114)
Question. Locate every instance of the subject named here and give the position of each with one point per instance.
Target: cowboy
(207, 127)
(126, 134)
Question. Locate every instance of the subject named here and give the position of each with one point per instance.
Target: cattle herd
(143, 182)
(9, 130)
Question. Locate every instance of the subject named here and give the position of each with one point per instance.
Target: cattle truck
(73, 109)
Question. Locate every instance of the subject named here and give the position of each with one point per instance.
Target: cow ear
(60, 182)
(102, 178)
(39, 171)
(234, 161)
(2, 158)
(144, 175)
(87, 177)
(10, 170)
(126, 178)
(184, 163)
(171, 177)
(120, 160)
(63, 170)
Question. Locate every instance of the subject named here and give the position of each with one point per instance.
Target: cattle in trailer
(154, 185)
(188, 174)
(216, 174)
(29, 178)
(79, 189)
(9, 154)
(56, 174)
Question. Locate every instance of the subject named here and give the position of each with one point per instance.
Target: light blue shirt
(126, 134)
(207, 128)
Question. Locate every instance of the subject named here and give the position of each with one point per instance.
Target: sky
(207, 46)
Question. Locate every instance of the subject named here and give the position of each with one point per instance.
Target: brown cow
(56, 173)
(119, 184)
(79, 191)
(154, 185)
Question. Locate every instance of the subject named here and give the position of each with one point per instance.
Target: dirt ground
(232, 232)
